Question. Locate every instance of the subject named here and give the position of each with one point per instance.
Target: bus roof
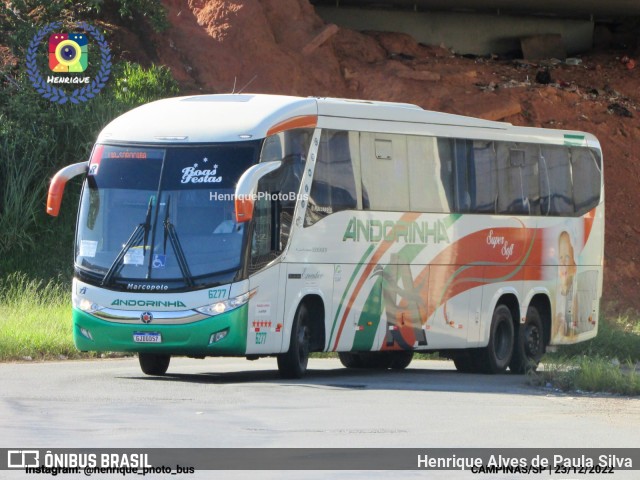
(237, 117)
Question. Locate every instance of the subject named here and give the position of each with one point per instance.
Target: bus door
(264, 329)
(274, 209)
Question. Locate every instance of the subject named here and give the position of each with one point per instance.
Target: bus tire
(154, 364)
(376, 360)
(350, 360)
(529, 344)
(465, 361)
(496, 356)
(293, 363)
(401, 360)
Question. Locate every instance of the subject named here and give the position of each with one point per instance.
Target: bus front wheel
(529, 346)
(153, 364)
(350, 360)
(293, 364)
(495, 357)
(466, 361)
(395, 360)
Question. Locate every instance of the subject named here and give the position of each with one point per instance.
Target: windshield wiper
(140, 233)
(170, 233)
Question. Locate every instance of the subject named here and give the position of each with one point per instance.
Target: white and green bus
(261, 225)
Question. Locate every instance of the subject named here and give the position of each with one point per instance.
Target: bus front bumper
(192, 339)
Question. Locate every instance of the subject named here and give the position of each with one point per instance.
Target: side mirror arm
(247, 187)
(58, 182)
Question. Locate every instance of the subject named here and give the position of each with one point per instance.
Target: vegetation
(589, 374)
(22, 17)
(608, 363)
(37, 137)
(35, 318)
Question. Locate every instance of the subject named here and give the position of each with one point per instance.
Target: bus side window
(530, 174)
(333, 188)
(464, 178)
(445, 156)
(559, 194)
(486, 182)
(520, 185)
(385, 172)
(586, 179)
(262, 238)
(428, 189)
(512, 198)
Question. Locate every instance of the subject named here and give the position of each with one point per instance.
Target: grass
(35, 319)
(589, 374)
(608, 363)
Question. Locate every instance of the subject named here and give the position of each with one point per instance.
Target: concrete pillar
(475, 33)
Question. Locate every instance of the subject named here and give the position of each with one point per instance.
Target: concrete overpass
(480, 26)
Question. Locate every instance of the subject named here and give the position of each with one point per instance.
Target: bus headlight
(226, 305)
(85, 305)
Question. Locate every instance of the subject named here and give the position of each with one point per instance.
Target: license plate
(147, 337)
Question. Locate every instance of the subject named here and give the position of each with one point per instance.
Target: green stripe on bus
(371, 313)
(575, 140)
(346, 290)
(373, 306)
(451, 219)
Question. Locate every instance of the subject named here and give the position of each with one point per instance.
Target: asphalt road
(236, 403)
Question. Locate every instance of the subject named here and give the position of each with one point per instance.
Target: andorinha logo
(390, 231)
(147, 303)
(68, 55)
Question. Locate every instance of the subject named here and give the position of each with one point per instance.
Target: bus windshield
(162, 216)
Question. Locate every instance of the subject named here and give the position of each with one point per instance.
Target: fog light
(86, 333)
(216, 337)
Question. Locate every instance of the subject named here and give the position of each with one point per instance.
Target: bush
(588, 374)
(38, 137)
(135, 85)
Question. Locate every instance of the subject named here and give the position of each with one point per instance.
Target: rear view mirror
(58, 182)
(246, 189)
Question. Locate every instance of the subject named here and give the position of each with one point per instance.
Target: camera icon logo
(68, 52)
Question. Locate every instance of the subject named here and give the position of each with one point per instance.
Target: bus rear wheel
(401, 360)
(293, 363)
(496, 356)
(153, 364)
(529, 346)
